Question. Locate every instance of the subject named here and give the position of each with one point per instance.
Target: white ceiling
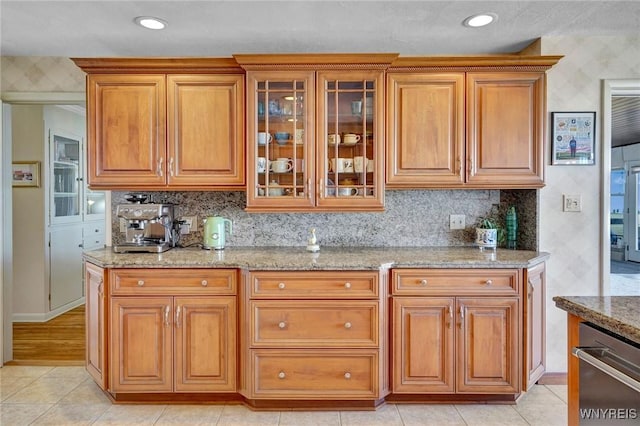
(221, 28)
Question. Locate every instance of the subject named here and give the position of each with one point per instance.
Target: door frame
(6, 252)
(610, 88)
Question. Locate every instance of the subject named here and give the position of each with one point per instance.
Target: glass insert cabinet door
(350, 132)
(66, 177)
(280, 140)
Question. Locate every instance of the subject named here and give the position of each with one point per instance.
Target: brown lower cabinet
(298, 338)
(467, 344)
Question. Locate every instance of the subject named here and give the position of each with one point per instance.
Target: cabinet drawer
(173, 281)
(330, 374)
(314, 323)
(449, 282)
(316, 284)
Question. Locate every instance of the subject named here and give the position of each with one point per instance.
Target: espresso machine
(150, 228)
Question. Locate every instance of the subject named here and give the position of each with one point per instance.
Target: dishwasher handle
(594, 357)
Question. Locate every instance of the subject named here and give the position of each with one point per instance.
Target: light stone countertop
(617, 314)
(329, 258)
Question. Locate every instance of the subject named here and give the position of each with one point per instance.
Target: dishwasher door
(609, 378)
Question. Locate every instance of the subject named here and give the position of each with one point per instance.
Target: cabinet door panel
(205, 344)
(205, 130)
(426, 130)
(95, 318)
(535, 346)
(126, 128)
(141, 344)
(423, 345)
(505, 128)
(487, 345)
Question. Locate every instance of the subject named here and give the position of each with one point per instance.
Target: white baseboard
(46, 316)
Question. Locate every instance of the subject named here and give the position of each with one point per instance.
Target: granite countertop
(329, 258)
(618, 314)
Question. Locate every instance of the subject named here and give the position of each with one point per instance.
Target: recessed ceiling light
(150, 22)
(480, 20)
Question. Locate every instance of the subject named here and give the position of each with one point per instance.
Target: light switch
(572, 203)
(456, 221)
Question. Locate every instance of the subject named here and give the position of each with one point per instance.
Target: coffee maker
(150, 228)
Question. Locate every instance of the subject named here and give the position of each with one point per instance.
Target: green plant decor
(491, 223)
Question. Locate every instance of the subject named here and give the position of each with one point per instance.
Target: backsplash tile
(412, 218)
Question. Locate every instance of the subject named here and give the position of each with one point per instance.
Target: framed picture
(574, 138)
(26, 173)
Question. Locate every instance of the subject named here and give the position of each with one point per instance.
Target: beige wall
(29, 227)
(573, 239)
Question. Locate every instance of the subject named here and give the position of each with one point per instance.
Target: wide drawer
(327, 374)
(449, 282)
(314, 323)
(173, 281)
(314, 284)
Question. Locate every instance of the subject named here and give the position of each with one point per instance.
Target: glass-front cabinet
(315, 140)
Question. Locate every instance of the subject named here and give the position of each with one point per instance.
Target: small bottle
(512, 227)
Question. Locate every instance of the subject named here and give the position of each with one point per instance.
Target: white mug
(262, 164)
(281, 165)
(347, 191)
(342, 165)
(264, 138)
(351, 138)
(359, 164)
(333, 138)
(369, 166)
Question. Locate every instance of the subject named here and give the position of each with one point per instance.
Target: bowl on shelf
(281, 137)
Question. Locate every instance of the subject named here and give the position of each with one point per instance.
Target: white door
(632, 224)
(65, 260)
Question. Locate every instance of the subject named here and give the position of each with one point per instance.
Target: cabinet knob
(488, 282)
(281, 375)
(347, 285)
(347, 325)
(140, 283)
(204, 283)
(423, 282)
(347, 375)
(96, 230)
(281, 286)
(282, 324)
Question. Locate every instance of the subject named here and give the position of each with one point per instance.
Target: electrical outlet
(456, 221)
(190, 224)
(572, 203)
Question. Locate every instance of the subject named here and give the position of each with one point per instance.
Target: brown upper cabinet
(466, 122)
(165, 124)
(315, 132)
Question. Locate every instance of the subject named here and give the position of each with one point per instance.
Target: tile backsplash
(412, 218)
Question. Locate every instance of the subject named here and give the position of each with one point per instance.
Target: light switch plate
(456, 221)
(572, 203)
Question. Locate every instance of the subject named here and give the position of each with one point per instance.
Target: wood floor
(59, 341)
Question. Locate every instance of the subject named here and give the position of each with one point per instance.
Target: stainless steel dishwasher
(609, 378)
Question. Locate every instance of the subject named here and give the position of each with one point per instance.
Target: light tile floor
(68, 396)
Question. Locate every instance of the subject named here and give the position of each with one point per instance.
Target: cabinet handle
(470, 161)
(80, 245)
(140, 283)
(309, 188)
(347, 375)
(423, 282)
(178, 317)
(347, 325)
(166, 316)
(281, 286)
(458, 164)
(450, 316)
(347, 285)
(488, 282)
(282, 324)
(461, 316)
(204, 283)
(100, 288)
(321, 187)
(531, 289)
(171, 166)
(96, 230)
(159, 168)
(281, 375)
